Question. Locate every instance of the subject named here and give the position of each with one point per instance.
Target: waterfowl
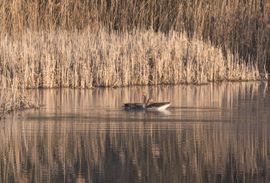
(147, 105)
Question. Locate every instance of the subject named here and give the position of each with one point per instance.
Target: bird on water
(147, 105)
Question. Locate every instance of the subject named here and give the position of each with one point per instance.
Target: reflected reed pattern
(213, 133)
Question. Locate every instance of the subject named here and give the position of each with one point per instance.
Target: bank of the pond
(85, 59)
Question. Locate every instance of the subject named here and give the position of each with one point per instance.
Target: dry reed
(119, 43)
(85, 59)
(240, 26)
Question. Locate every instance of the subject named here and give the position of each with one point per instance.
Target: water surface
(211, 133)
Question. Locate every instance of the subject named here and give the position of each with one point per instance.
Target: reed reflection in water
(212, 133)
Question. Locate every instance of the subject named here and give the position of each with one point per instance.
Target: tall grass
(85, 59)
(239, 26)
(119, 43)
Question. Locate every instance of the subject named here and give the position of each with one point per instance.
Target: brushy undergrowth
(86, 59)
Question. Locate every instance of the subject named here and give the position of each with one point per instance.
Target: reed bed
(240, 26)
(86, 59)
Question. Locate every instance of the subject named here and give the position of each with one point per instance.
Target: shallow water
(211, 133)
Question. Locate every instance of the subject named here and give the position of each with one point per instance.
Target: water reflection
(212, 133)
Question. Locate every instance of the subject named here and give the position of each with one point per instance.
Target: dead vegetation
(120, 43)
(86, 60)
(85, 44)
(237, 26)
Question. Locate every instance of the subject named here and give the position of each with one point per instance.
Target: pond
(211, 133)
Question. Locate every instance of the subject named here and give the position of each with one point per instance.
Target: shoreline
(86, 60)
(21, 102)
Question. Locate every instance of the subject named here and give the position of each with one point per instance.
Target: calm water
(211, 133)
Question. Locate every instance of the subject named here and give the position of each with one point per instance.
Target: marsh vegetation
(85, 44)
